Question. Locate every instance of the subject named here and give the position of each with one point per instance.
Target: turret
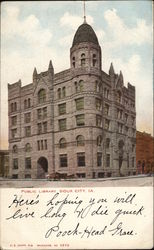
(121, 77)
(85, 50)
(111, 70)
(51, 70)
(34, 75)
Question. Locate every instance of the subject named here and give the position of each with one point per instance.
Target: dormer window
(73, 61)
(94, 60)
(83, 60)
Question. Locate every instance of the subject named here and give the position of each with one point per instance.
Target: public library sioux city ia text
(79, 122)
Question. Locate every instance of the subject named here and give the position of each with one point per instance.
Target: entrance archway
(42, 168)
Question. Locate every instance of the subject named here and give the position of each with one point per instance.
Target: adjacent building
(144, 152)
(81, 121)
(4, 163)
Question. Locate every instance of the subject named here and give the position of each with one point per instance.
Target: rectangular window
(80, 120)
(44, 112)
(39, 128)
(133, 162)
(27, 176)
(126, 130)
(133, 120)
(108, 174)
(133, 132)
(106, 109)
(119, 114)
(38, 145)
(14, 120)
(106, 93)
(39, 113)
(15, 163)
(126, 117)
(28, 131)
(107, 124)
(98, 121)
(45, 144)
(15, 176)
(27, 117)
(45, 127)
(62, 124)
(62, 108)
(120, 127)
(99, 159)
(14, 133)
(41, 144)
(81, 175)
(108, 160)
(63, 160)
(79, 103)
(127, 160)
(101, 175)
(98, 104)
(28, 163)
(81, 159)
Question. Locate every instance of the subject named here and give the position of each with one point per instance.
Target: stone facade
(80, 121)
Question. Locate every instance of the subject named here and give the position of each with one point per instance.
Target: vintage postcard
(77, 145)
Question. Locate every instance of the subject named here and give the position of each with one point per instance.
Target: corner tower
(85, 50)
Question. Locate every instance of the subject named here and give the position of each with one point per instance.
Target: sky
(35, 32)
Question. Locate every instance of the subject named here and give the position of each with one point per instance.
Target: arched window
(81, 85)
(119, 96)
(94, 60)
(73, 61)
(41, 96)
(80, 140)
(83, 60)
(99, 140)
(25, 104)
(15, 149)
(29, 103)
(120, 146)
(62, 143)
(107, 143)
(59, 93)
(63, 91)
(15, 106)
(76, 87)
(27, 147)
(97, 86)
(12, 107)
(106, 93)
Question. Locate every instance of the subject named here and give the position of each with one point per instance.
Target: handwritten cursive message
(65, 216)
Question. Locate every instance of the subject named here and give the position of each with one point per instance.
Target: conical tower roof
(85, 33)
